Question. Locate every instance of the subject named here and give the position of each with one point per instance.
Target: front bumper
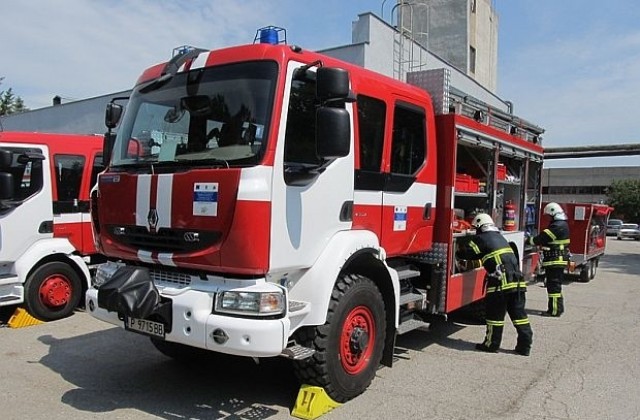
(192, 322)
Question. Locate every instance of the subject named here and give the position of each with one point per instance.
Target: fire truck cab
(46, 241)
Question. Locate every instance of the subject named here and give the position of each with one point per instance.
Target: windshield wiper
(139, 164)
(198, 162)
(172, 67)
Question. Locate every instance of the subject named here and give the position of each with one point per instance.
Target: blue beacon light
(270, 35)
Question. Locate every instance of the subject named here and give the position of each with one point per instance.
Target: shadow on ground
(113, 370)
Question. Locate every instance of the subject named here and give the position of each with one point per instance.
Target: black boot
(487, 349)
(493, 337)
(525, 339)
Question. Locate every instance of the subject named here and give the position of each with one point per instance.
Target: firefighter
(504, 283)
(554, 241)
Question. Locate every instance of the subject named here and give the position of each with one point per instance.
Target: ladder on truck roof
(448, 100)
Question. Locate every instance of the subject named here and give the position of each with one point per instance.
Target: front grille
(170, 278)
(164, 240)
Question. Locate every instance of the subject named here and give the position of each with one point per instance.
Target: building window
(472, 59)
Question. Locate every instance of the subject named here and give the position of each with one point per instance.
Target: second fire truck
(46, 241)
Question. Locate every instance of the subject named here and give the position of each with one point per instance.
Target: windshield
(218, 115)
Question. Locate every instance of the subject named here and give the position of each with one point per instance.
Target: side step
(297, 352)
(412, 297)
(407, 273)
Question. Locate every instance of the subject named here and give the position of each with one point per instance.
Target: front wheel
(52, 291)
(349, 345)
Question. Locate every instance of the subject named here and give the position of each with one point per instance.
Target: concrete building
(85, 116)
(583, 185)
(462, 32)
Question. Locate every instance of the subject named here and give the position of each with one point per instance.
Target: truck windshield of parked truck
(212, 116)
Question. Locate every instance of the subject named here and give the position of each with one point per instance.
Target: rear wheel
(593, 268)
(349, 345)
(52, 291)
(584, 273)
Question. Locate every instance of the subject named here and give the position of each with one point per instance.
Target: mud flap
(130, 291)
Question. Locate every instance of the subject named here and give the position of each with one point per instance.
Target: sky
(569, 66)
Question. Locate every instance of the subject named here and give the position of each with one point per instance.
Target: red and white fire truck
(46, 240)
(263, 200)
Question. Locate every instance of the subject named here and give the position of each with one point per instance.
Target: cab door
(408, 196)
(312, 197)
(68, 207)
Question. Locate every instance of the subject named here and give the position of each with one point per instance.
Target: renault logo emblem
(152, 219)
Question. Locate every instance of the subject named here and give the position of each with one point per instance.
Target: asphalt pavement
(584, 365)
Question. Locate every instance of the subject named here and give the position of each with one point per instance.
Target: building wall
(450, 28)
(374, 46)
(79, 117)
(483, 35)
(586, 185)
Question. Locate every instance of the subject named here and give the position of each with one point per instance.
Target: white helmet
(553, 209)
(482, 219)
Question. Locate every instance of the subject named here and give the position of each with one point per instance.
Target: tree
(10, 103)
(624, 195)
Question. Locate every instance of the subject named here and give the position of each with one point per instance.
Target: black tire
(181, 352)
(593, 268)
(584, 273)
(52, 291)
(347, 356)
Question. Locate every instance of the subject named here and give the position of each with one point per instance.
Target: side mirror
(6, 158)
(112, 115)
(6, 186)
(333, 132)
(332, 83)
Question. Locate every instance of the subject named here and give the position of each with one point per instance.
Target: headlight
(250, 303)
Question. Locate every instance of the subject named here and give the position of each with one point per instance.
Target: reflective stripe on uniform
(495, 254)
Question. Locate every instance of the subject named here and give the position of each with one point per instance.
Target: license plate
(144, 326)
